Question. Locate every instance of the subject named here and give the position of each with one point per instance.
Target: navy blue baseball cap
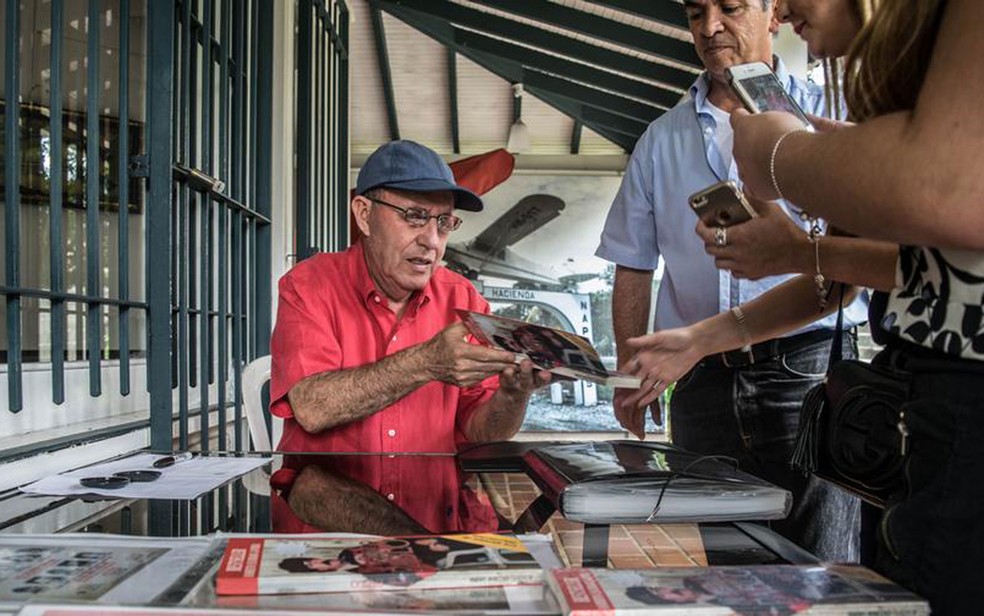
(407, 165)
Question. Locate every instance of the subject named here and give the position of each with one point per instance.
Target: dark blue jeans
(931, 540)
(751, 413)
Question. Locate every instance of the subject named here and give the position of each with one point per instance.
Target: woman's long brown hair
(888, 60)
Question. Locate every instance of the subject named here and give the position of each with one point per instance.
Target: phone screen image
(768, 95)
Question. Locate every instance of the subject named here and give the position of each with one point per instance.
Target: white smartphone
(760, 90)
(721, 205)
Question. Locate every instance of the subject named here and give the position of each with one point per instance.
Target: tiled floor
(637, 546)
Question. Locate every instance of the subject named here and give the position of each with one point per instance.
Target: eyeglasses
(416, 217)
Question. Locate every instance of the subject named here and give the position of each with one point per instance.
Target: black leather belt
(769, 349)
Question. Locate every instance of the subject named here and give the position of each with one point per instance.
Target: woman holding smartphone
(913, 85)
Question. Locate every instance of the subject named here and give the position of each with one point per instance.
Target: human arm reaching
(664, 356)
(773, 244)
(328, 399)
(904, 176)
(500, 417)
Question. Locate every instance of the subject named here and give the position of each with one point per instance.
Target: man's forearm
(330, 399)
(499, 419)
(631, 299)
(338, 504)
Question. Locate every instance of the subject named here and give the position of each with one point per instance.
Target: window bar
(304, 117)
(124, 192)
(181, 239)
(236, 223)
(331, 129)
(12, 197)
(55, 221)
(251, 221)
(204, 255)
(174, 205)
(92, 176)
(342, 133)
(321, 112)
(263, 202)
(194, 198)
(161, 125)
(237, 339)
(222, 228)
(246, 197)
(328, 135)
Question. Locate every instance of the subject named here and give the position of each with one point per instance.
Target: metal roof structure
(593, 74)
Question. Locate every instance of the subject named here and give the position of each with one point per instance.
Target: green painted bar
(382, 54)
(186, 155)
(205, 251)
(160, 122)
(57, 254)
(123, 84)
(576, 137)
(12, 210)
(342, 136)
(453, 99)
(222, 215)
(302, 201)
(193, 201)
(93, 324)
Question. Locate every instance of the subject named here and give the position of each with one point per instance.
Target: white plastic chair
(255, 376)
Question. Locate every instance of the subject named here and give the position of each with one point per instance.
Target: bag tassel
(805, 449)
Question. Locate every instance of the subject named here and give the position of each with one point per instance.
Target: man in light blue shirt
(738, 404)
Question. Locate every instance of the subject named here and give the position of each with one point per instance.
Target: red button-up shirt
(331, 317)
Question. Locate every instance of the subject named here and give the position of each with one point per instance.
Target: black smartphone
(760, 90)
(722, 205)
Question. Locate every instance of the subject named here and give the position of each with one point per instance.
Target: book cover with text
(327, 564)
(773, 590)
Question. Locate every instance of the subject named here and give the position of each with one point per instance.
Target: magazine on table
(95, 567)
(562, 353)
(778, 590)
(326, 563)
(533, 599)
(632, 482)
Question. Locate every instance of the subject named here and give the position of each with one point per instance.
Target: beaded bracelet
(772, 159)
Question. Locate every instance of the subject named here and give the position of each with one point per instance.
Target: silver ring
(657, 384)
(721, 236)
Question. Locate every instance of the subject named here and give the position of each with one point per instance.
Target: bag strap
(837, 346)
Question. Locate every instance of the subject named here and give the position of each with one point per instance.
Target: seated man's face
(402, 258)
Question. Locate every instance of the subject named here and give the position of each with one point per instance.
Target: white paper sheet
(182, 481)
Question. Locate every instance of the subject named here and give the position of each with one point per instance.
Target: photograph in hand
(564, 353)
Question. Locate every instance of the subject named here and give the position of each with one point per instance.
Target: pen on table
(166, 461)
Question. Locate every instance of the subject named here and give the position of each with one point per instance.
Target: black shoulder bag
(852, 428)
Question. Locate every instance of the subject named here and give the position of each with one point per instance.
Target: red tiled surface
(636, 546)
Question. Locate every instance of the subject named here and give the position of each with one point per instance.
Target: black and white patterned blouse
(940, 304)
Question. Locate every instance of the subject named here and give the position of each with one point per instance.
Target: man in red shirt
(368, 354)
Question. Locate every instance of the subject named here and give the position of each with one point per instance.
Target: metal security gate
(209, 197)
(321, 206)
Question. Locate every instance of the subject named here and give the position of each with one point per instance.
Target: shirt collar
(366, 286)
(702, 85)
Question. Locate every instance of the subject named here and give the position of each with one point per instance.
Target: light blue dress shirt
(651, 218)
